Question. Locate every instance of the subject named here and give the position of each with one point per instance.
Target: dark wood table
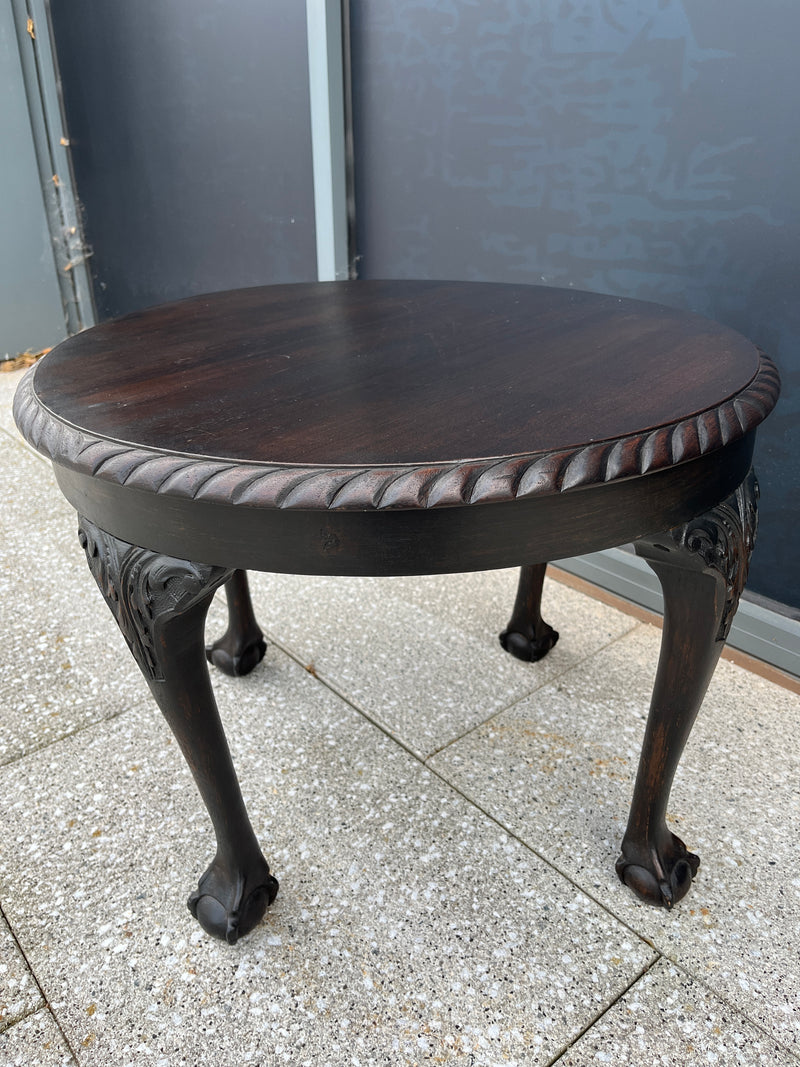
(404, 427)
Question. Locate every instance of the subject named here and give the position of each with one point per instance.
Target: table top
(398, 394)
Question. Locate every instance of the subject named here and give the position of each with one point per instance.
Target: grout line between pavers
(5, 1027)
(468, 799)
(309, 669)
(45, 1000)
(732, 1006)
(548, 862)
(453, 740)
(603, 1011)
(526, 845)
(74, 732)
(423, 761)
(537, 689)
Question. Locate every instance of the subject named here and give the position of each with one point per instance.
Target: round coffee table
(402, 428)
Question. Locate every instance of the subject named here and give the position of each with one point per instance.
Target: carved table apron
(402, 428)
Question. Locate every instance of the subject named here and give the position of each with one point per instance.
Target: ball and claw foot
(230, 908)
(234, 658)
(659, 878)
(529, 646)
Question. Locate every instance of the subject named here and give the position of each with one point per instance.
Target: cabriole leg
(160, 604)
(528, 636)
(702, 567)
(242, 646)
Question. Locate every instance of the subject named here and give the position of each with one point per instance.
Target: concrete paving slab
(408, 927)
(424, 680)
(64, 663)
(35, 1041)
(421, 655)
(19, 994)
(668, 1018)
(557, 769)
(9, 380)
(480, 602)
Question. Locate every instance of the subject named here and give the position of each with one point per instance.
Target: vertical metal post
(51, 145)
(327, 91)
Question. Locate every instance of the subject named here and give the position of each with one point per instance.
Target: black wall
(191, 144)
(644, 148)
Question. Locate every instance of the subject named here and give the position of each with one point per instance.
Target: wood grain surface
(391, 373)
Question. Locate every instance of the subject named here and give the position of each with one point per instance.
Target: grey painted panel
(644, 148)
(31, 315)
(191, 144)
(759, 631)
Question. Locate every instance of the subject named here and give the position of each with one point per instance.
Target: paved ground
(443, 820)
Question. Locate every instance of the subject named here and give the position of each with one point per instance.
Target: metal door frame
(51, 145)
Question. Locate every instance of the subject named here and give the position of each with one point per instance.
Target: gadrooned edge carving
(144, 589)
(406, 487)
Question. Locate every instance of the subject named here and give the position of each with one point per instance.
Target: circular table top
(392, 393)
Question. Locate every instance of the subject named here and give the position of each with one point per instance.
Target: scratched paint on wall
(637, 147)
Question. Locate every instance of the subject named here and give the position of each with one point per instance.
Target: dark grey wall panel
(644, 148)
(191, 144)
